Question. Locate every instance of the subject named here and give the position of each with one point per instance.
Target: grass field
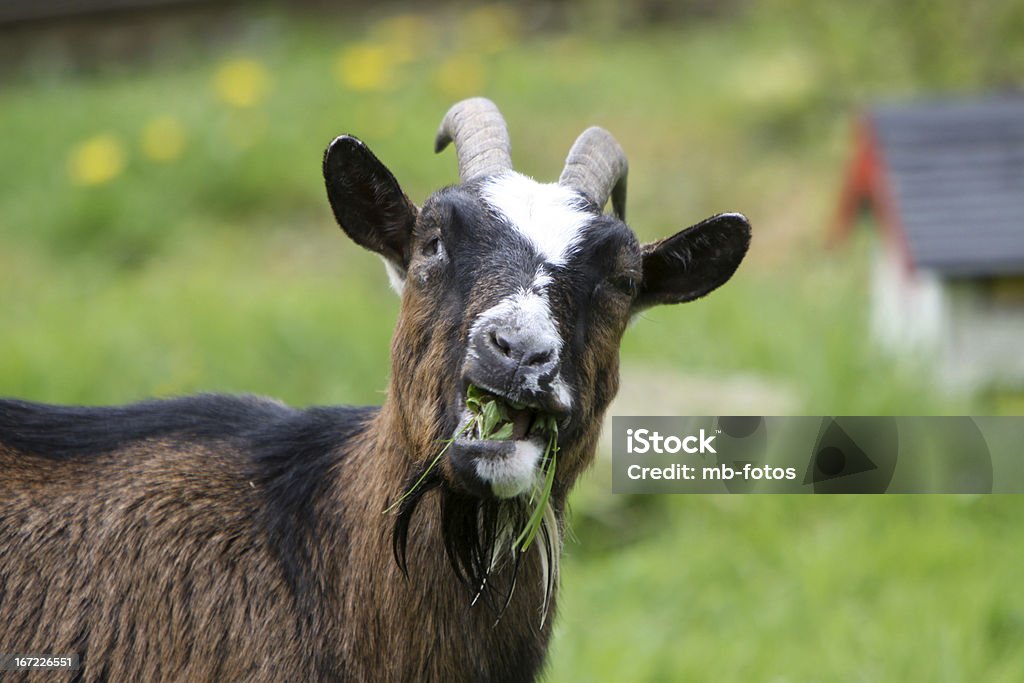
(164, 230)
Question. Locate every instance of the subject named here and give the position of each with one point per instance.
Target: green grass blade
(503, 433)
(533, 524)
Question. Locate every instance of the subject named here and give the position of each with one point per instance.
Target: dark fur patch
(63, 432)
(292, 459)
(471, 529)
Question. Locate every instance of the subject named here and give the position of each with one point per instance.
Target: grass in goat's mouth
(498, 419)
(494, 419)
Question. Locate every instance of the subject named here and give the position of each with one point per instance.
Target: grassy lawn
(788, 588)
(164, 230)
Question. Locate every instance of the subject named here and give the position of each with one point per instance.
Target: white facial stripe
(534, 313)
(545, 214)
(513, 475)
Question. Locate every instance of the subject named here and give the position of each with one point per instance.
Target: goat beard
(479, 537)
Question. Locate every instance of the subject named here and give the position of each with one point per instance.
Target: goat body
(236, 539)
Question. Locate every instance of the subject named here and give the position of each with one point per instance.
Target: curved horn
(597, 167)
(480, 136)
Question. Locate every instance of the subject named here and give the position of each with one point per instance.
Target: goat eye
(433, 247)
(625, 284)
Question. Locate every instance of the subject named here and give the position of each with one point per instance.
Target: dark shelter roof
(956, 173)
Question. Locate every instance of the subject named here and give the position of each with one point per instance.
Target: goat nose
(521, 348)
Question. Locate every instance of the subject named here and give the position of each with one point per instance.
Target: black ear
(694, 261)
(367, 200)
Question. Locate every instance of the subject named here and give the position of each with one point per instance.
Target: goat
(218, 538)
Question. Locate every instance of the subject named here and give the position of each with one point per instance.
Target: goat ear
(694, 261)
(367, 201)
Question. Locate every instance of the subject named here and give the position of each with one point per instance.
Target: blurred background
(164, 230)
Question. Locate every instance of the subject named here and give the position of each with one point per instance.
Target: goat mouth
(492, 416)
(502, 446)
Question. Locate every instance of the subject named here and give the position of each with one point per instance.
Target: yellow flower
(459, 76)
(97, 160)
(366, 66)
(163, 139)
(242, 82)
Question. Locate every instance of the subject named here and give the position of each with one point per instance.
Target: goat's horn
(480, 136)
(597, 167)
